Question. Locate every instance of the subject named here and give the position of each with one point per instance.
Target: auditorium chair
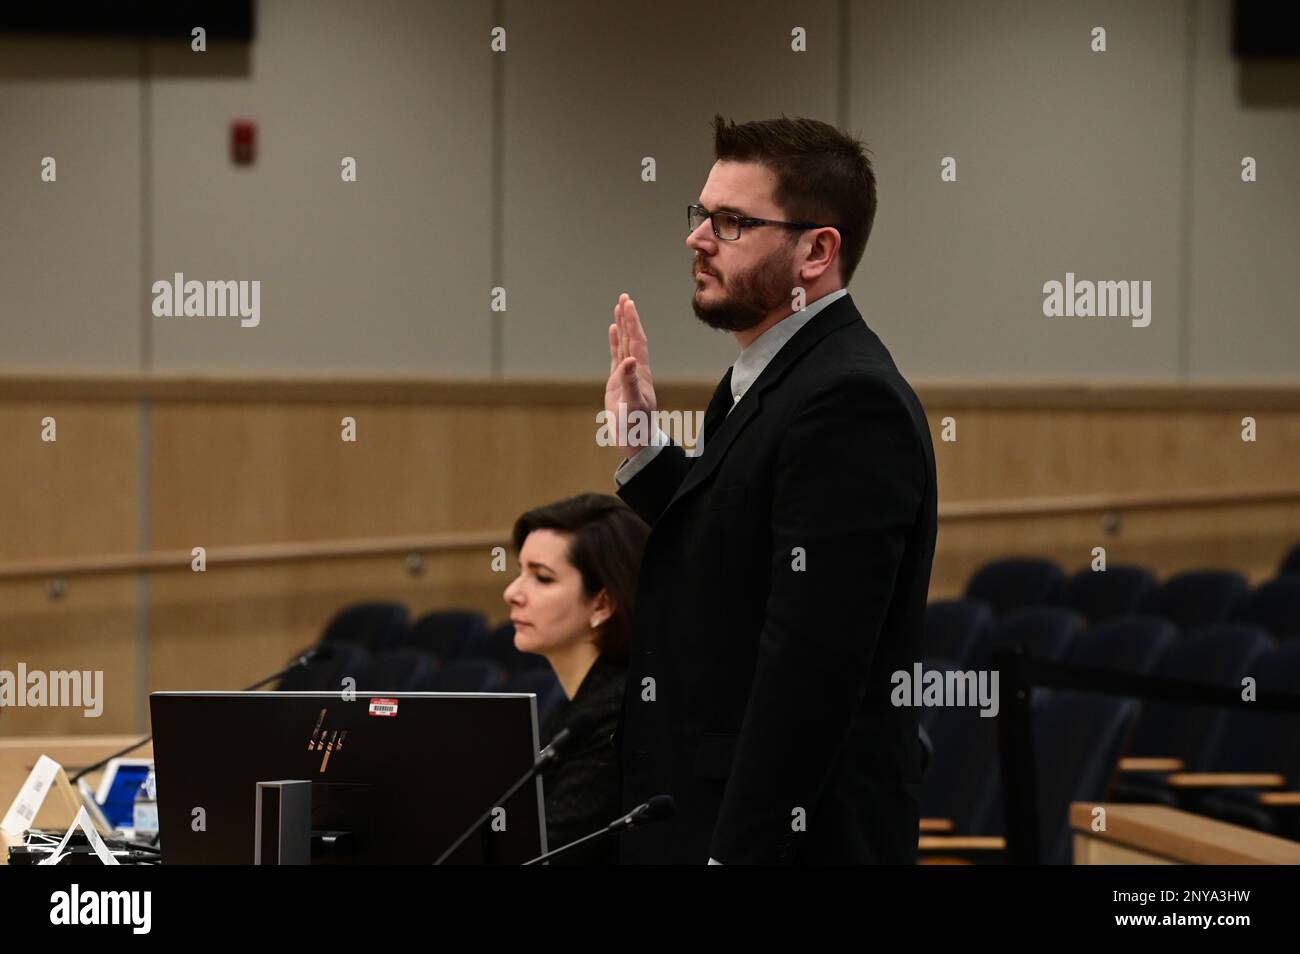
(541, 681)
(1015, 582)
(959, 792)
(1077, 738)
(1100, 595)
(394, 670)
(463, 675)
(1290, 563)
(374, 626)
(1174, 737)
(952, 627)
(326, 675)
(1196, 598)
(926, 718)
(498, 646)
(1256, 759)
(1045, 631)
(1275, 606)
(364, 627)
(446, 634)
(1132, 644)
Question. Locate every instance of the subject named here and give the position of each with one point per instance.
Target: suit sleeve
(850, 478)
(650, 490)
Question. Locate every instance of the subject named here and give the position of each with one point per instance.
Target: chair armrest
(961, 843)
(1279, 798)
(1220, 779)
(936, 824)
(1150, 765)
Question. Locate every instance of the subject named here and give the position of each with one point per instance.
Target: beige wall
(70, 252)
(524, 169)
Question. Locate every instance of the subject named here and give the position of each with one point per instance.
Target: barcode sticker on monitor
(383, 707)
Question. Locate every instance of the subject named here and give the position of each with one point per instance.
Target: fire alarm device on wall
(243, 142)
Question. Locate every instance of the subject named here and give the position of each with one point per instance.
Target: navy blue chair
(927, 715)
(1256, 741)
(1015, 582)
(1045, 631)
(952, 627)
(499, 647)
(1078, 738)
(1132, 644)
(446, 634)
(394, 670)
(1105, 594)
(962, 783)
(1275, 606)
(927, 749)
(1196, 597)
(1221, 654)
(1291, 563)
(464, 675)
(542, 682)
(374, 626)
(326, 675)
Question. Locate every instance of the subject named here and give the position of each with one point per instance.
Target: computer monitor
(396, 776)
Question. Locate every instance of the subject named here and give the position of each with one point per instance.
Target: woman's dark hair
(822, 175)
(607, 540)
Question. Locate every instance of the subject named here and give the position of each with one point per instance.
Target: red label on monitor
(383, 707)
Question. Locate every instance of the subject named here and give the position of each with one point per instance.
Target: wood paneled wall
(174, 464)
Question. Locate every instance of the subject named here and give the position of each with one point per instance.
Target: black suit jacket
(783, 582)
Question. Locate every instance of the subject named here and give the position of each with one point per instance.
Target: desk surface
(1184, 837)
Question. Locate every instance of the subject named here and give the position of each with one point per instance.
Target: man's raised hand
(631, 385)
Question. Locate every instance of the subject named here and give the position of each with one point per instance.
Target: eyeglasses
(727, 225)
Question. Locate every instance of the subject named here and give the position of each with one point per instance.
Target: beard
(746, 298)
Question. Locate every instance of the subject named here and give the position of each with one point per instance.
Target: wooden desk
(1157, 835)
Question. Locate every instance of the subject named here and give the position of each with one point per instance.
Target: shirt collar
(751, 362)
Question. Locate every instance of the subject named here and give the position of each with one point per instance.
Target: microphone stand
(571, 735)
(524, 780)
(565, 849)
(658, 808)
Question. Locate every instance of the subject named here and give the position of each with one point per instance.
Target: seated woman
(572, 603)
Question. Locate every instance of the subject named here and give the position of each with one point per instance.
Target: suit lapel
(724, 432)
(719, 405)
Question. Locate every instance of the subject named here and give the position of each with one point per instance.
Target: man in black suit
(785, 576)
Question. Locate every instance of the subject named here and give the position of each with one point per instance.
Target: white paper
(30, 797)
(83, 822)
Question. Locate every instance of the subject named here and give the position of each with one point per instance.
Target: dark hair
(822, 175)
(608, 538)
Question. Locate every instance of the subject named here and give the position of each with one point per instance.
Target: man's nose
(702, 239)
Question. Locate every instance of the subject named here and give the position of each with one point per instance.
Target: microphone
(658, 808)
(568, 738)
(315, 654)
(579, 727)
